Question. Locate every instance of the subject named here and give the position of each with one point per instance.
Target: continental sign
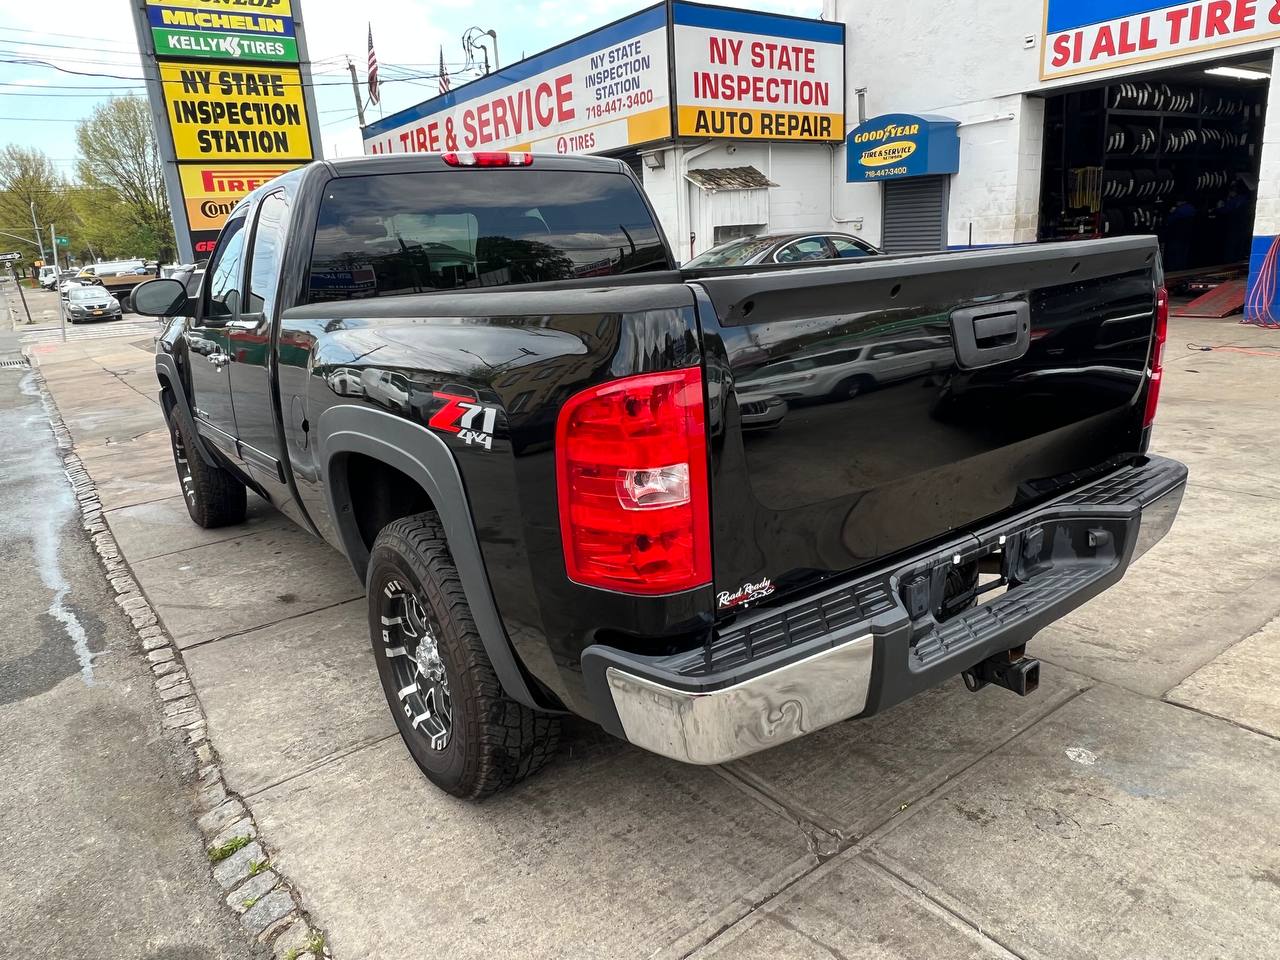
(236, 113)
(899, 145)
(210, 192)
(275, 8)
(757, 76)
(181, 32)
(1101, 34)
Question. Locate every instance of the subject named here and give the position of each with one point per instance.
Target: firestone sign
(1083, 36)
(736, 74)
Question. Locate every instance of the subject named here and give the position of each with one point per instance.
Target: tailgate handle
(991, 333)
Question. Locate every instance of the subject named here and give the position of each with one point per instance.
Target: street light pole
(53, 247)
(39, 237)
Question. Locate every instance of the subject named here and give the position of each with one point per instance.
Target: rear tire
(466, 735)
(848, 389)
(214, 497)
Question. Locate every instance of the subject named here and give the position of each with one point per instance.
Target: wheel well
(380, 494)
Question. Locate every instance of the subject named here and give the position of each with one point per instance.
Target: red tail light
(507, 159)
(1157, 356)
(631, 473)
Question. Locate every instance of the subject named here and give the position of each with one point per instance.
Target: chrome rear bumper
(748, 691)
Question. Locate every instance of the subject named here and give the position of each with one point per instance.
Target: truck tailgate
(862, 409)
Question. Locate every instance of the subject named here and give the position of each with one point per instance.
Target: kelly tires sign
(757, 76)
(222, 33)
(1083, 36)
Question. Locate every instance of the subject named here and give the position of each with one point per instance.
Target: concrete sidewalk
(1127, 809)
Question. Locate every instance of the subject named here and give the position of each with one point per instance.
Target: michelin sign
(735, 74)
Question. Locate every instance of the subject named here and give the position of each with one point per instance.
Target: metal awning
(712, 179)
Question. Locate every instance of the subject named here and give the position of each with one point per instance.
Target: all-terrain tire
(494, 741)
(214, 497)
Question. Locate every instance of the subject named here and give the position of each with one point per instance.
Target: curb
(266, 902)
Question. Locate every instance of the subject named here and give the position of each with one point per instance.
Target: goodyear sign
(899, 145)
(236, 113)
(222, 34)
(757, 76)
(210, 192)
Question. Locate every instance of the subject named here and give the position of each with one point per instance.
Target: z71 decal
(473, 422)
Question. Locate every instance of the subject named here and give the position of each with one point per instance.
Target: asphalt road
(101, 856)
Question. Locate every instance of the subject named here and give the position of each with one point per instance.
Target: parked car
(542, 483)
(48, 277)
(90, 303)
(119, 277)
(846, 371)
(783, 248)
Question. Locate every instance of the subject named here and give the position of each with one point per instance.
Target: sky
(39, 105)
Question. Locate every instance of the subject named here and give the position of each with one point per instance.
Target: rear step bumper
(865, 645)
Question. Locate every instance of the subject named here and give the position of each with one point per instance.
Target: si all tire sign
(473, 422)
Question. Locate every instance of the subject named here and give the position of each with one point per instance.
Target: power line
(69, 36)
(141, 80)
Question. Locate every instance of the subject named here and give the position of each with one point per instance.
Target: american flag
(444, 74)
(374, 96)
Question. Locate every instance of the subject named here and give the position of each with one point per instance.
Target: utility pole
(39, 236)
(355, 88)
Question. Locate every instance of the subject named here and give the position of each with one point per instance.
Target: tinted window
(268, 249)
(811, 248)
(224, 271)
(846, 249)
(414, 232)
(733, 253)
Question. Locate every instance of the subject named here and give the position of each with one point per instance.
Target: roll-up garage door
(915, 215)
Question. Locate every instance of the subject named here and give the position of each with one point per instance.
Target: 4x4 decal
(473, 422)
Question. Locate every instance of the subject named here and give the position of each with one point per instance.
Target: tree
(123, 179)
(28, 176)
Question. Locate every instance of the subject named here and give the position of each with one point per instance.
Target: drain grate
(19, 364)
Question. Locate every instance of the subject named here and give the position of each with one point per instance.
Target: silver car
(784, 248)
(845, 372)
(90, 303)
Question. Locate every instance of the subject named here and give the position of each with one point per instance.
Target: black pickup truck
(484, 379)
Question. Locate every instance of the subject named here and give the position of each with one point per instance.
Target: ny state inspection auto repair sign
(1082, 36)
(737, 74)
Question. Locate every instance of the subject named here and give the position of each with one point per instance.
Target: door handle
(219, 360)
(991, 333)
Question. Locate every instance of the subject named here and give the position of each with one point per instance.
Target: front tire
(466, 735)
(214, 497)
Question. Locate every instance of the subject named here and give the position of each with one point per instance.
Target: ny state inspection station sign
(253, 30)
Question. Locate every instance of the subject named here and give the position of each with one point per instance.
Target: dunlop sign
(225, 113)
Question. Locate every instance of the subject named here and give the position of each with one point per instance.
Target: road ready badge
(472, 421)
(746, 593)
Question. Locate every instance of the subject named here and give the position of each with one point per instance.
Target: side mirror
(163, 297)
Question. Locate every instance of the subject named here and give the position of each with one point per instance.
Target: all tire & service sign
(1082, 36)
(736, 73)
(235, 98)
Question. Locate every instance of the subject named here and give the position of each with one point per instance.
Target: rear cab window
(389, 234)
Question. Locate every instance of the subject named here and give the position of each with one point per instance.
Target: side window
(848, 249)
(810, 248)
(267, 254)
(223, 298)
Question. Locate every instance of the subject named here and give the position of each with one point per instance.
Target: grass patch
(314, 945)
(223, 850)
(257, 867)
(248, 902)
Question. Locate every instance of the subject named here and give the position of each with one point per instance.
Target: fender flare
(167, 374)
(418, 453)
